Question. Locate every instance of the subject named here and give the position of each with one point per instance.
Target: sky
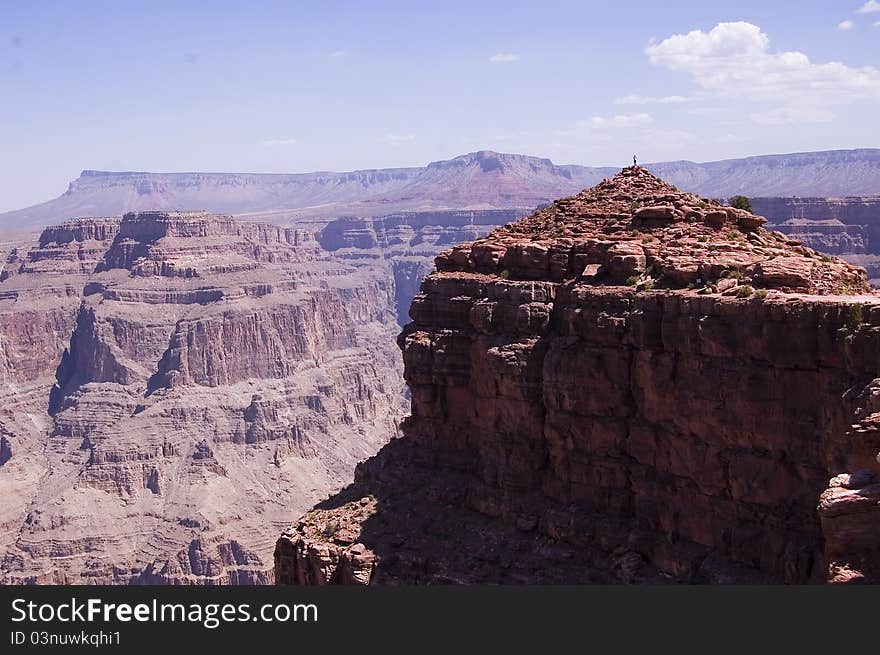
(301, 86)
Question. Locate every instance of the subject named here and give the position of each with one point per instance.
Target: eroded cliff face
(632, 385)
(828, 235)
(405, 244)
(847, 227)
(172, 383)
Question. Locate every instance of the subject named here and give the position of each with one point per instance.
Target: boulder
(715, 217)
(785, 272)
(655, 213)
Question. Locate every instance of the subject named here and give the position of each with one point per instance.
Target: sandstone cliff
(633, 384)
(172, 383)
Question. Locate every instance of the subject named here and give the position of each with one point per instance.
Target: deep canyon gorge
(177, 384)
(633, 384)
(173, 384)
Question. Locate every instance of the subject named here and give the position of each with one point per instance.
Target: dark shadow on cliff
(412, 513)
(412, 507)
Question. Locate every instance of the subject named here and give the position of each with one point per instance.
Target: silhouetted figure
(635, 163)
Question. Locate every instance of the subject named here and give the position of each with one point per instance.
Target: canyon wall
(408, 242)
(632, 385)
(847, 227)
(175, 381)
(172, 383)
(855, 210)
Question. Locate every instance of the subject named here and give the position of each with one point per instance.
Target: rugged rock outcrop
(171, 383)
(633, 384)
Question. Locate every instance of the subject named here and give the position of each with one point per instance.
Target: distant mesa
(483, 180)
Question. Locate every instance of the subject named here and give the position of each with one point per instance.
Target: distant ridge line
(475, 181)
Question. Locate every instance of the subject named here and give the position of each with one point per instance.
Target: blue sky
(301, 86)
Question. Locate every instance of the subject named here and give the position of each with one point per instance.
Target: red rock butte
(633, 384)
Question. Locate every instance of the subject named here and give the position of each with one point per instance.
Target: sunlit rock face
(172, 384)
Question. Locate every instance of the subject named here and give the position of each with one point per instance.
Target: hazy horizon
(275, 88)
(625, 162)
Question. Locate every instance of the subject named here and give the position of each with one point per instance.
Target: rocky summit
(637, 230)
(633, 384)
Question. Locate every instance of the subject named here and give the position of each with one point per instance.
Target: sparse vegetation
(504, 275)
(854, 317)
(734, 235)
(732, 273)
(329, 531)
(703, 204)
(632, 280)
(648, 284)
(742, 202)
(703, 239)
(647, 238)
(744, 291)
(761, 293)
(825, 258)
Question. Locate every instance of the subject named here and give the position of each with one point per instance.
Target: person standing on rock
(635, 163)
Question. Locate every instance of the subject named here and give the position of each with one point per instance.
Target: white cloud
(649, 100)
(870, 7)
(615, 122)
(877, 24)
(397, 139)
(339, 53)
(733, 60)
(279, 142)
(503, 58)
(845, 25)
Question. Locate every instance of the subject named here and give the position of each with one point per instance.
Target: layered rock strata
(847, 227)
(633, 384)
(172, 382)
(405, 244)
(827, 235)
